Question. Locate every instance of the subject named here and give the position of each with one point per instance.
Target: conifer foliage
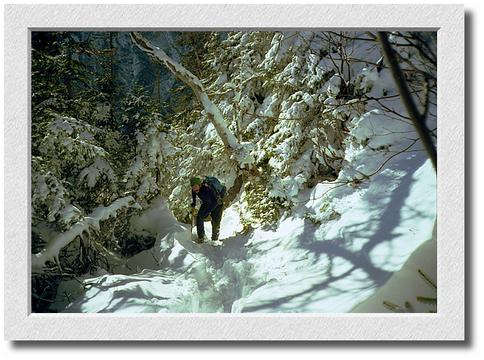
(121, 119)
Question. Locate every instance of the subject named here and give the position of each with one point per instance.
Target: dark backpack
(216, 185)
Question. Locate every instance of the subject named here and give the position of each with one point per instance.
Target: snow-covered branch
(51, 252)
(213, 112)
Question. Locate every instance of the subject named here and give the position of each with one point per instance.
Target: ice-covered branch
(51, 252)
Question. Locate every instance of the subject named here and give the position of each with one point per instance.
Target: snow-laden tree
(237, 154)
(308, 101)
(271, 114)
(83, 189)
(269, 90)
(196, 85)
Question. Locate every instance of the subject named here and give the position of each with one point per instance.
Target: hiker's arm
(194, 199)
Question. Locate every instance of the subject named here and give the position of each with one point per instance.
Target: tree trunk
(418, 119)
(213, 112)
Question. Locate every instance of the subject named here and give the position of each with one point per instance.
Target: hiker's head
(195, 182)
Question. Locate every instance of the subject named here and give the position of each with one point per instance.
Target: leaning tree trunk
(239, 153)
(213, 112)
(417, 118)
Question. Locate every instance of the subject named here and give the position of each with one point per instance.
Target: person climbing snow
(211, 193)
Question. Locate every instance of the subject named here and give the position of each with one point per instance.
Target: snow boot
(200, 240)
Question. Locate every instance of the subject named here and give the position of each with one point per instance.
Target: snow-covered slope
(339, 194)
(410, 288)
(298, 266)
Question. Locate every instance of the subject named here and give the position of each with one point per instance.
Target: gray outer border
(448, 324)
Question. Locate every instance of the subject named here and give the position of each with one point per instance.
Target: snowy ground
(298, 266)
(338, 245)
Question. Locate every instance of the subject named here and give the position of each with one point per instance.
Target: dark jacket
(207, 195)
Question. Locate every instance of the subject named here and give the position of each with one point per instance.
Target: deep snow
(298, 266)
(338, 243)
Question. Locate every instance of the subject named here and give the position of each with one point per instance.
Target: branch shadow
(377, 230)
(391, 217)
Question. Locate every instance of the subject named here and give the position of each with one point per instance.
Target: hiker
(211, 193)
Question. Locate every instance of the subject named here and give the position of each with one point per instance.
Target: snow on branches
(82, 229)
(212, 111)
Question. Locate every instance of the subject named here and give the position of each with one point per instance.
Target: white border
(448, 324)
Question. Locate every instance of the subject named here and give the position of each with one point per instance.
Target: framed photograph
(234, 172)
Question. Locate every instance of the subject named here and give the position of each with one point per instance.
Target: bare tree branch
(417, 118)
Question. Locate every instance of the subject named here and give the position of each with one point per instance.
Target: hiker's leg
(202, 214)
(216, 219)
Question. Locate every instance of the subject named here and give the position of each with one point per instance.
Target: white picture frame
(448, 324)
